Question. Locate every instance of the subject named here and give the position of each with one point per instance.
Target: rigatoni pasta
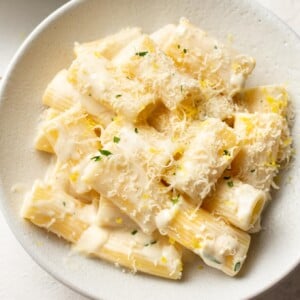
(158, 147)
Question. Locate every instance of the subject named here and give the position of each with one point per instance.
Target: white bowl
(274, 252)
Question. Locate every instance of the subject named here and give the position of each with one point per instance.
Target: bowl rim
(35, 33)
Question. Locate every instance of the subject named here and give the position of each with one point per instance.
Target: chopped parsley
(150, 243)
(143, 53)
(230, 183)
(90, 95)
(215, 47)
(105, 152)
(64, 203)
(133, 232)
(116, 139)
(184, 51)
(178, 46)
(181, 89)
(136, 130)
(226, 152)
(253, 170)
(175, 199)
(237, 266)
(118, 96)
(227, 177)
(96, 158)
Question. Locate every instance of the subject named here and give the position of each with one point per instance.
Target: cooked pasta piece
(210, 150)
(61, 95)
(237, 202)
(264, 99)
(143, 60)
(70, 135)
(95, 76)
(218, 244)
(260, 135)
(270, 99)
(67, 217)
(110, 45)
(218, 68)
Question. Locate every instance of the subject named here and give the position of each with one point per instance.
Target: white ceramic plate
(274, 252)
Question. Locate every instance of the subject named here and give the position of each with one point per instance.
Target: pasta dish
(158, 147)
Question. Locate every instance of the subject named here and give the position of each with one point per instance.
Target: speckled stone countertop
(20, 276)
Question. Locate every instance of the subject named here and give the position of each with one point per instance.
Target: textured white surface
(20, 277)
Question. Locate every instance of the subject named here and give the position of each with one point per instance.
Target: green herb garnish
(181, 88)
(136, 130)
(178, 46)
(116, 139)
(64, 203)
(118, 96)
(96, 158)
(184, 51)
(226, 152)
(230, 183)
(237, 266)
(175, 199)
(215, 47)
(143, 53)
(105, 152)
(150, 243)
(133, 232)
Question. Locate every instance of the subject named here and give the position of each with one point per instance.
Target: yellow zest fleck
(155, 66)
(171, 241)
(74, 176)
(287, 141)
(149, 45)
(90, 122)
(196, 244)
(72, 76)
(236, 67)
(97, 54)
(272, 164)
(145, 196)
(164, 260)
(229, 203)
(248, 123)
(204, 83)
(276, 105)
(154, 150)
(119, 220)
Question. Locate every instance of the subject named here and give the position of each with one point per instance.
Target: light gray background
(22, 278)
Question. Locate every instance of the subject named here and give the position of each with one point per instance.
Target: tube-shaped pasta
(208, 154)
(218, 68)
(110, 45)
(218, 244)
(142, 59)
(66, 217)
(264, 99)
(256, 163)
(69, 135)
(270, 99)
(110, 86)
(239, 203)
(61, 95)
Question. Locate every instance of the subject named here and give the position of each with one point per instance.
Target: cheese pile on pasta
(158, 147)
